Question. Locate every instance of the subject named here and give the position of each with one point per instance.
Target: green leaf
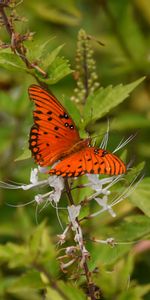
(104, 99)
(71, 291)
(141, 196)
(30, 279)
(132, 34)
(37, 49)
(25, 155)
(42, 250)
(56, 71)
(132, 228)
(128, 121)
(132, 174)
(37, 243)
(14, 255)
(23, 293)
(64, 291)
(60, 13)
(49, 59)
(129, 230)
(5, 283)
(11, 62)
(135, 292)
(106, 255)
(53, 294)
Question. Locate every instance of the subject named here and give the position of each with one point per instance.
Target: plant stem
(68, 191)
(87, 273)
(16, 41)
(85, 68)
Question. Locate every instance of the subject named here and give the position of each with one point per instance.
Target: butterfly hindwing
(53, 132)
(89, 160)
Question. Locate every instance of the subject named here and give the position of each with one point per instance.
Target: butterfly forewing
(53, 132)
(89, 160)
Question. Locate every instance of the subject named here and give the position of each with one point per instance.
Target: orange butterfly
(54, 137)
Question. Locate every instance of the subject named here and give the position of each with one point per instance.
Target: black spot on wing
(71, 126)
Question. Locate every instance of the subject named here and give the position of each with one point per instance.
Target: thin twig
(16, 40)
(6, 21)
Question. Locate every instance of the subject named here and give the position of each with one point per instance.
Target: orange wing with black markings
(53, 132)
(90, 160)
(54, 137)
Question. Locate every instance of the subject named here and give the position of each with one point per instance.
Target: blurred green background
(124, 28)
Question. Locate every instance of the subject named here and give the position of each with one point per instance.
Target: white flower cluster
(101, 188)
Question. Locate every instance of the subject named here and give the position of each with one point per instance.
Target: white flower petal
(34, 176)
(73, 212)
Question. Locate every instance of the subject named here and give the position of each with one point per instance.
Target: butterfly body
(54, 137)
